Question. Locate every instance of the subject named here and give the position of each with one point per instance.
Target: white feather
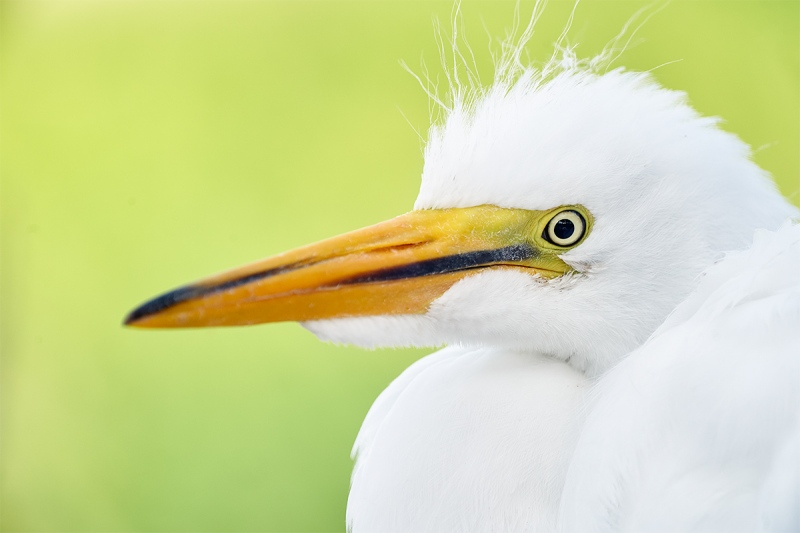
(669, 190)
(467, 440)
(697, 430)
(691, 432)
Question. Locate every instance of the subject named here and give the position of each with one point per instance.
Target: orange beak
(396, 267)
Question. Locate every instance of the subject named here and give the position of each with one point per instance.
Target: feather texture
(669, 190)
(697, 430)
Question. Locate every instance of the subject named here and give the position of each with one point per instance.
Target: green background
(146, 144)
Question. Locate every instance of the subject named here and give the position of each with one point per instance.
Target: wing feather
(698, 430)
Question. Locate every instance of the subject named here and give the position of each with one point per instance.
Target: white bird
(699, 429)
(564, 215)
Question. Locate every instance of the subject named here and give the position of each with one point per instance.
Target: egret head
(565, 213)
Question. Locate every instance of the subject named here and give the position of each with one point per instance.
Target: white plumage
(606, 384)
(670, 192)
(467, 439)
(696, 430)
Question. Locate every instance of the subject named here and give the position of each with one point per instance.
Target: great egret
(699, 429)
(564, 213)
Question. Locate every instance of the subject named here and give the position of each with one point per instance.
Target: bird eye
(565, 229)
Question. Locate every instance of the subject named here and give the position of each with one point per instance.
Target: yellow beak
(396, 267)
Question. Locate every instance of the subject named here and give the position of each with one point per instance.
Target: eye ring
(565, 229)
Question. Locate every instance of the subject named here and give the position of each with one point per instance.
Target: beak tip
(134, 318)
(130, 319)
(151, 308)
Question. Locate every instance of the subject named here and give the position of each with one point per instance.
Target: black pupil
(564, 229)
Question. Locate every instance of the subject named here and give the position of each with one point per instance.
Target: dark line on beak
(429, 267)
(192, 292)
(450, 263)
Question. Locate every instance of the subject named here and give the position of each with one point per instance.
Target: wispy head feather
(464, 84)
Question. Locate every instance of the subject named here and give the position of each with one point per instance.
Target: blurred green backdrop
(145, 144)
